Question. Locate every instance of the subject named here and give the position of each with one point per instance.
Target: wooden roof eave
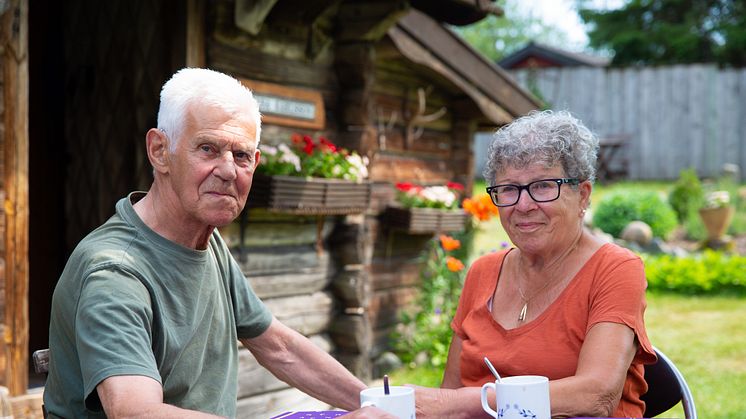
(427, 42)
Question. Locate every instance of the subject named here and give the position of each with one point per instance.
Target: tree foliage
(496, 37)
(671, 31)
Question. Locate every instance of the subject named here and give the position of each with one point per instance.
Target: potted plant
(426, 209)
(311, 177)
(716, 215)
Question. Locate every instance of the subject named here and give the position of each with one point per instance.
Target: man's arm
(135, 396)
(295, 360)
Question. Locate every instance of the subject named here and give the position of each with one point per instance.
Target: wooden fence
(674, 117)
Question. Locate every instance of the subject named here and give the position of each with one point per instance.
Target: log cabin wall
(279, 253)
(347, 294)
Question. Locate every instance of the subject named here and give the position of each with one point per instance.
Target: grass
(704, 336)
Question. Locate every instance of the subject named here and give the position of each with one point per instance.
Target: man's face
(211, 169)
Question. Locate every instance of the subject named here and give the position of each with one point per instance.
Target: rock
(385, 363)
(638, 232)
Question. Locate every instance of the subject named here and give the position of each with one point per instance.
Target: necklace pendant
(522, 316)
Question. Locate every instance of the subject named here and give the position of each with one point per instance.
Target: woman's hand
(464, 402)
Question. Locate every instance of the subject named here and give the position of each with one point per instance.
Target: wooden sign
(288, 106)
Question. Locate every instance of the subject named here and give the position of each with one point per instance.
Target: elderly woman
(561, 303)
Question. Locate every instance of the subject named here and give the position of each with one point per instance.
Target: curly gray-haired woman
(560, 303)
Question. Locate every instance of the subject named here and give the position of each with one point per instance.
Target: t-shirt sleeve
(113, 330)
(619, 297)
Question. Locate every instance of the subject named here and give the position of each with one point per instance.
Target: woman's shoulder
(490, 261)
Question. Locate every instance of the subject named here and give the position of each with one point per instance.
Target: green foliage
(686, 195)
(427, 329)
(707, 273)
(496, 37)
(618, 209)
(671, 31)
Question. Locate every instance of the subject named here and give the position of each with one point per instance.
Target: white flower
(359, 165)
(269, 150)
(337, 170)
(717, 199)
(439, 194)
(292, 159)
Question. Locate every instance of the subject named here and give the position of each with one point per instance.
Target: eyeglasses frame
(521, 188)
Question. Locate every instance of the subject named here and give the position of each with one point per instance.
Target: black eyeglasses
(544, 190)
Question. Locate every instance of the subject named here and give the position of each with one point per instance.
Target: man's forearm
(292, 358)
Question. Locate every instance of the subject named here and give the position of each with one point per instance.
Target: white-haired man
(146, 314)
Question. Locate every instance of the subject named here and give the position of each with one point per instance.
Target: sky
(563, 15)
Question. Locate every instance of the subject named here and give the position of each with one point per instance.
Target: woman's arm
(452, 400)
(594, 390)
(596, 387)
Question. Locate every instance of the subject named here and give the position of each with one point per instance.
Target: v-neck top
(610, 287)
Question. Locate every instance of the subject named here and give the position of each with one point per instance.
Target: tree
(671, 31)
(496, 37)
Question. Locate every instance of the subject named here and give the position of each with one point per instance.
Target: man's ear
(158, 149)
(257, 158)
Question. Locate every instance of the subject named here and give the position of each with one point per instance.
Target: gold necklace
(524, 309)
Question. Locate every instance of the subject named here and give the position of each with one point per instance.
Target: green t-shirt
(131, 302)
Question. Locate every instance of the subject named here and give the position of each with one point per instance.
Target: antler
(416, 124)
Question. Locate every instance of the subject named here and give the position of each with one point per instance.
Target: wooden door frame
(14, 343)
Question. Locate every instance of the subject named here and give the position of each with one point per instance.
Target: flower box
(424, 220)
(299, 195)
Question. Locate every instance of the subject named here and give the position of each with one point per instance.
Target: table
(318, 414)
(608, 149)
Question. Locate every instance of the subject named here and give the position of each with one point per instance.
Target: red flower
(327, 145)
(455, 185)
(404, 186)
(309, 146)
(296, 138)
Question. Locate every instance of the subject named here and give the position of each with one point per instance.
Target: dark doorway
(95, 71)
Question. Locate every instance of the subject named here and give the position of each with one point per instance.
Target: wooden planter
(424, 220)
(299, 195)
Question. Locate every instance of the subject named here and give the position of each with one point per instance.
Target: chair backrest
(666, 388)
(41, 361)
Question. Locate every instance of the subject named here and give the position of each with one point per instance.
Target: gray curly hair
(543, 137)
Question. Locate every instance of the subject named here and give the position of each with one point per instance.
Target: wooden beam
(195, 33)
(15, 62)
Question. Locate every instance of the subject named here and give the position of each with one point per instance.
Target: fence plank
(676, 117)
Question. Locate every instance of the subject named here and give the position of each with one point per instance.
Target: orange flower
(480, 206)
(453, 264)
(449, 243)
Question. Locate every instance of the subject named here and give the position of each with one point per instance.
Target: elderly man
(146, 314)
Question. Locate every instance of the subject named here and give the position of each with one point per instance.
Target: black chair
(666, 388)
(41, 366)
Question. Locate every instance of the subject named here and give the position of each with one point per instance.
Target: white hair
(544, 137)
(206, 87)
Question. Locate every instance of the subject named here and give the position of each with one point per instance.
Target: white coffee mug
(522, 396)
(399, 402)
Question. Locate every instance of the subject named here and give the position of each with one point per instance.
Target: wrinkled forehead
(201, 117)
(528, 164)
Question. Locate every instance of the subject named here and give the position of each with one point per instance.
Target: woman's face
(542, 227)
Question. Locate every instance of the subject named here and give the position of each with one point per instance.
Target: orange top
(609, 288)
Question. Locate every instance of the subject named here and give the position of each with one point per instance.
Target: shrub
(687, 194)
(707, 273)
(616, 210)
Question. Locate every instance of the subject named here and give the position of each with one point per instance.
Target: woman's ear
(585, 188)
(158, 148)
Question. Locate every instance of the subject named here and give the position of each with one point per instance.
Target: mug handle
(485, 405)
(367, 403)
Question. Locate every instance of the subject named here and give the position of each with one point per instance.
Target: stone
(385, 363)
(637, 232)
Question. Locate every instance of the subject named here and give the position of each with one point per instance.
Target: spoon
(494, 372)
